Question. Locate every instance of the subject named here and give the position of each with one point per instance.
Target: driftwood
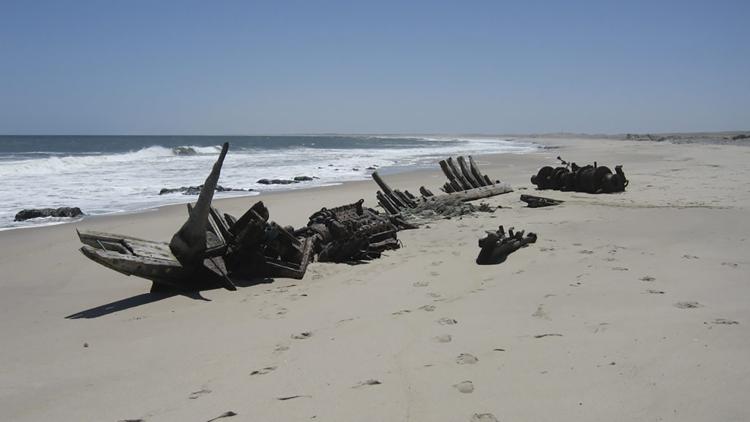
(539, 201)
(496, 246)
(590, 178)
(465, 183)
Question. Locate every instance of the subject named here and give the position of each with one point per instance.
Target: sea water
(111, 174)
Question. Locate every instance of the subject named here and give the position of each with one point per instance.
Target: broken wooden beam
(539, 201)
(476, 172)
(387, 191)
(467, 173)
(452, 180)
(460, 177)
(425, 192)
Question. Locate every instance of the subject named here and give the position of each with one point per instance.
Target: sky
(281, 67)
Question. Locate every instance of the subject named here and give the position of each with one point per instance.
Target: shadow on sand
(146, 298)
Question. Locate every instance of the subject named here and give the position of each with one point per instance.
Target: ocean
(114, 174)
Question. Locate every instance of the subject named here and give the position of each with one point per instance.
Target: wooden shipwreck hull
(213, 249)
(210, 250)
(466, 182)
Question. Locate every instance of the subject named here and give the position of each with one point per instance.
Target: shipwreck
(214, 249)
(589, 178)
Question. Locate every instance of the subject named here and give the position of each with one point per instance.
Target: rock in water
(68, 212)
(275, 182)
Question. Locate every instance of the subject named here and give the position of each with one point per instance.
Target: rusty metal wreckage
(214, 249)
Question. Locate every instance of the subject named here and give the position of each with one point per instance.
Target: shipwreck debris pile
(589, 178)
(214, 249)
(352, 233)
(496, 246)
(465, 183)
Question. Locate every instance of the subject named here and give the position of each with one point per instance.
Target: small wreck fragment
(465, 183)
(589, 178)
(496, 246)
(539, 201)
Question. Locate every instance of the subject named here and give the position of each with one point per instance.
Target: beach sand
(630, 307)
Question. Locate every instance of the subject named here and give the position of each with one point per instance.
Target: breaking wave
(107, 182)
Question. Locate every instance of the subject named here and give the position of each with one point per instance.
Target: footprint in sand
(655, 292)
(465, 387)
(444, 338)
(722, 321)
(686, 256)
(436, 263)
(619, 269)
(434, 273)
(730, 264)
(228, 414)
(647, 278)
(447, 321)
(433, 295)
(687, 305)
(263, 371)
(401, 312)
(301, 336)
(281, 348)
(540, 313)
(586, 252)
(420, 284)
(483, 417)
(367, 382)
(466, 359)
(195, 394)
(428, 308)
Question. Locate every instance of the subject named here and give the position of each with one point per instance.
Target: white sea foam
(107, 183)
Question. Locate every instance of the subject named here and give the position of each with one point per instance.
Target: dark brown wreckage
(214, 249)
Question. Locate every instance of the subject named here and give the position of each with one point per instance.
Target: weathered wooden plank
(189, 243)
(425, 192)
(478, 176)
(460, 177)
(466, 172)
(454, 183)
(387, 191)
(386, 203)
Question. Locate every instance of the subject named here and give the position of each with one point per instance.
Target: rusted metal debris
(496, 246)
(465, 183)
(539, 201)
(213, 249)
(589, 178)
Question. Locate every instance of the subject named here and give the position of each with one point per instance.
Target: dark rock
(371, 168)
(276, 181)
(68, 212)
(195, 190)
(303, 179)
(184, 151)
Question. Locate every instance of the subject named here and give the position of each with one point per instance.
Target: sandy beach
(630, 307)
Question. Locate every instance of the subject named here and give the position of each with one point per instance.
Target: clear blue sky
(220, 67)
